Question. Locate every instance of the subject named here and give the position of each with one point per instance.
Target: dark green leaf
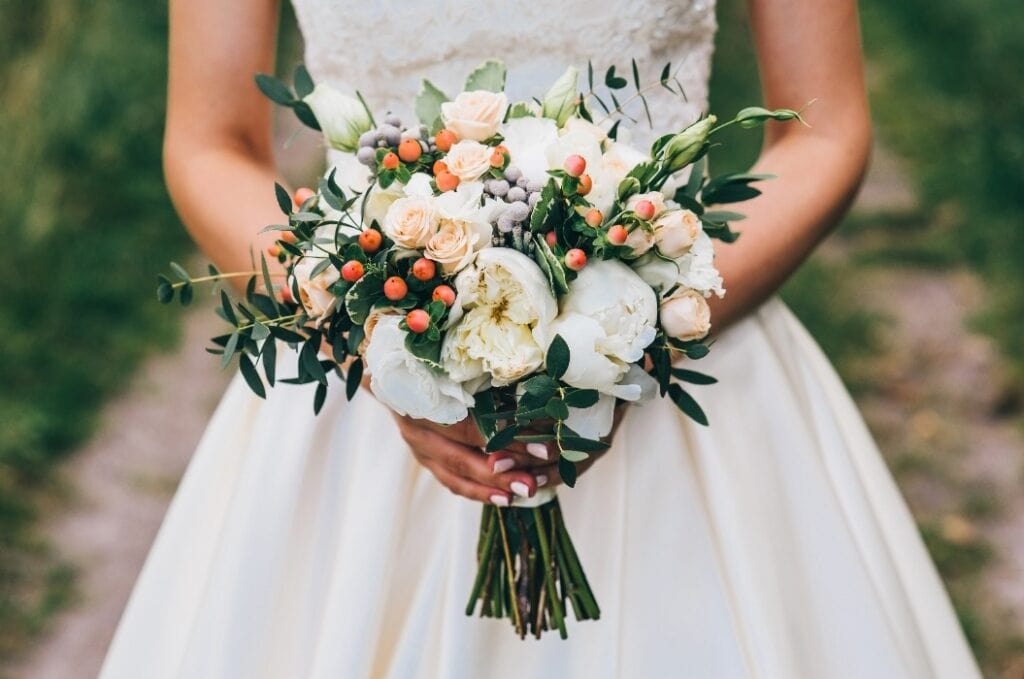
(692, 376)
(697, 351)
(557, 409)
(541, 385)
(252, 377)
(274, 89)
(319, 397)
(584, 444)
(502, 439)
(185, 294)
(269, 358)
(613, 81)
(303, 82)
(353, 379)
(558, 357)
(225, 305)
(687, 404)
(567, 470)
(535, 438)
(310, 362)
(164, 290)
(582, 398)
(284, 201)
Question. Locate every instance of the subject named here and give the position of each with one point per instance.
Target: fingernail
(542, 480)
(537, 450)
(499, 500)
(503, 465)
(520, 488)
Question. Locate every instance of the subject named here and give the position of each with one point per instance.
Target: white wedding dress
(771, 544)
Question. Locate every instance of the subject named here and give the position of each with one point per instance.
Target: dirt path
(122, 482)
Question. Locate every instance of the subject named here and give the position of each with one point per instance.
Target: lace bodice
(384, 47)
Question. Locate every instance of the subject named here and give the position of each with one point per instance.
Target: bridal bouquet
(516, 262)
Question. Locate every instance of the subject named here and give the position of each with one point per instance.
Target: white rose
(468, 160)
(695, 270)
(406, 384)
(655, 197)
(675, 232)
(585, 126)
(475, 115)
(342, 118)
(616, 162)
(640, 240)
(503, 307)
(577, 142)
(685, 315)
(608, 318)
(464, 227)
(411, 221)
(314, 291)
(527, 140)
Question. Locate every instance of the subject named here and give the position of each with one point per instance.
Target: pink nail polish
(537, 450)
(499, 500)
(520, 488)
(503, 465)
(542, 480)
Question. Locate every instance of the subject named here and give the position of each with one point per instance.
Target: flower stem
(549, 574)
(516, 618)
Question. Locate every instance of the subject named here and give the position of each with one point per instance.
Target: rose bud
(639, 241)
(444, 294)
(352, 270)
(575, 259)
(418, 321)
(675, 232)
(370, 240)
(395, 288)
(686, 315)
(575, 165)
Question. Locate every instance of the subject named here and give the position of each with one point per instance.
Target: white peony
(596, 421)
(676, 231)
(685, 315)
(502, 310)
(406, 384)
(695, 270)
(464, 227)
(574, 142)
(468, 160)
(475, 115)
(608, 318)
(411, 221)
(527, 141)
(342, 118)
(315, 291)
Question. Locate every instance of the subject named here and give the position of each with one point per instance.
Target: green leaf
(692, 376)
(361, 296)
(567, 470)
(268, 283)
(582, 398)
(687, 404)
(269, 358)
(428, 105)
(732, 188)
(489, 76)
(613, 81)
(164, 290)
(274, 89)
(584, 444)
(180, 272)
(558, 357)
(310, 361)
(753, 116)
(303, 82)
(319, 397)
(225, 305)
(284, 201)
(229, 349)
(557, 409)
(535, 438)
(697, 351)
(520, 109)
(502, 439)
(722, 216)
(482, 410)
(353, 379)
(541, 385)
(260, 332)
(574, 455)
(551, 266)
(252, 377)
(185, 294)
(286, 335)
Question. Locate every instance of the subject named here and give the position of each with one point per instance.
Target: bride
(331, 546)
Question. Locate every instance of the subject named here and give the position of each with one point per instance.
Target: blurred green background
(86, 224)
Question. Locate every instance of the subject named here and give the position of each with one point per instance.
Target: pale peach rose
(639, 240)
(468, 160)
(475, 115)
(454, 245)
(411, 221)
(315, 292)
(675, 232)
(686, 315)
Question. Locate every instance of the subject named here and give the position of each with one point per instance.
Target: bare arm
(806, 50)
(217, 145)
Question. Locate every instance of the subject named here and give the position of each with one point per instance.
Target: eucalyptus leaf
(692, 376)
(687, 404)
(274, 89)
(557, 357)
(353, 379)
(489, 76)
(428, 105)
(574, 455)
(252, 378)
(502, 439)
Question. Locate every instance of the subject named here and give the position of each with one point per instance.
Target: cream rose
(685, 315)
(639, 240)
(464, 228)
(616, 162)
(315, 291)
(675, 232)
(453, 246)
(475, 115)
(411, 221)
(468, 160)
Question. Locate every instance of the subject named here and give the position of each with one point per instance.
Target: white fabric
(772, 544)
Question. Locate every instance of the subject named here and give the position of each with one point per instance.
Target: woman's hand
(454, 454)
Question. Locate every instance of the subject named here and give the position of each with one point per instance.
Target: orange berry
(550, 238)
(586, 185)
(575, 165)
(288, 236)
(439, 167)
(418, 321)
(617, 234)
(446, 181)
(370, 240)
(423, 269)
(301, 195)
(444, 140)
(352, 270)
(390, 161)
(395, 288)
(274, 251)
(410, 151)
(575, 259)
(644, 209)
(497, 159)
(444, 294)
(502, 149)
(593, 217)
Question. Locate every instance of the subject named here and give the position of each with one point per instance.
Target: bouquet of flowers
(516, 262)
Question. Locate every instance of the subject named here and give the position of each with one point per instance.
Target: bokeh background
(917, 298)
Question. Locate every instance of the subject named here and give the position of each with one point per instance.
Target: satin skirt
(773, 543)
